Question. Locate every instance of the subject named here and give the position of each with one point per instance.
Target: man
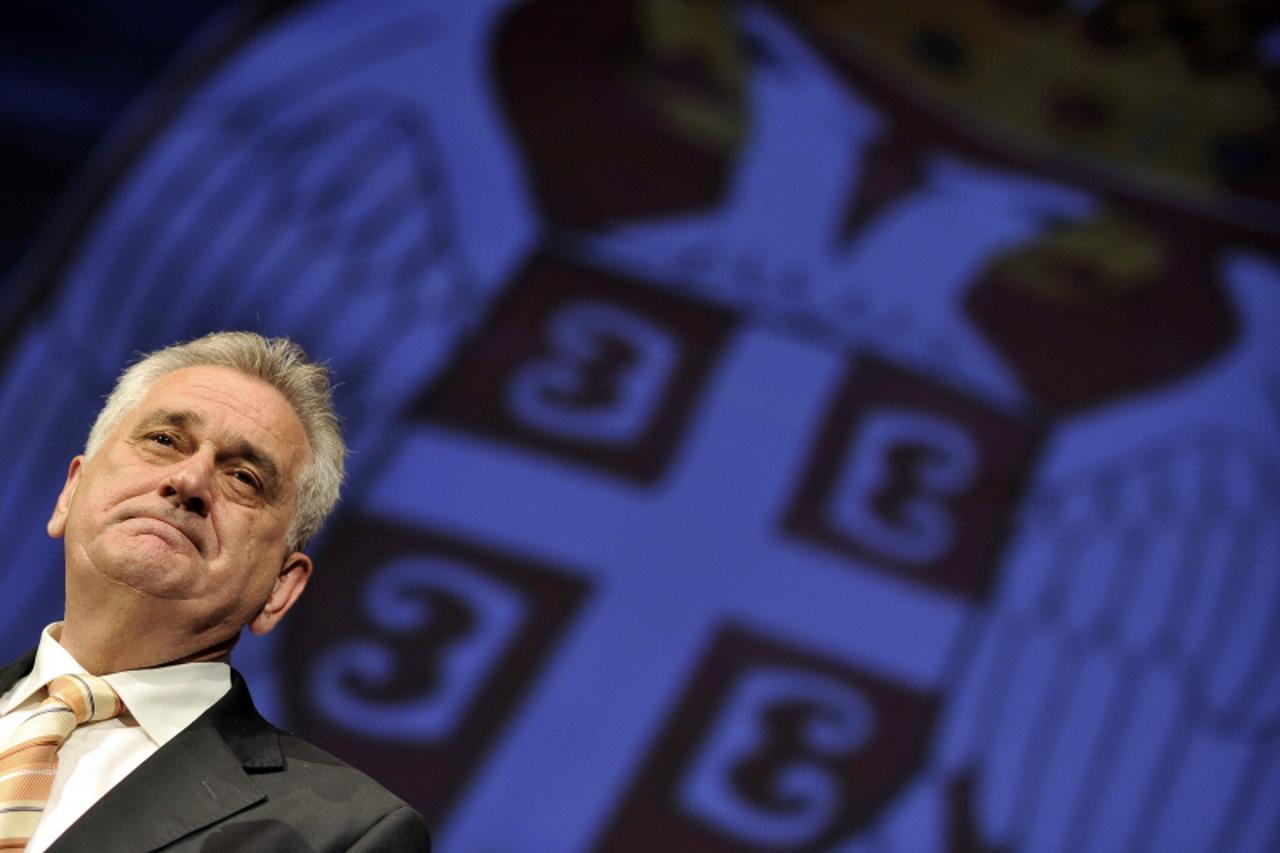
(208, 469)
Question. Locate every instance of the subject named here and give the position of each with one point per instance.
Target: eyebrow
(242, 449)
(165, 417)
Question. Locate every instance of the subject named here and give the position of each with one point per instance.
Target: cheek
(257, 539)
(112, 487)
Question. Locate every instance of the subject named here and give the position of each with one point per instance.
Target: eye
(247, 478)
(163, 439)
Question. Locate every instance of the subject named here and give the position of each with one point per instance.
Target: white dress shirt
(159, 703)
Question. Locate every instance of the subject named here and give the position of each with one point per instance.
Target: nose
(189, 483)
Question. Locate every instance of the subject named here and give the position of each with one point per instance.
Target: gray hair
(280, 363)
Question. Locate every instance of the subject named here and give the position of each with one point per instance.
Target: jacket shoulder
(323, 789)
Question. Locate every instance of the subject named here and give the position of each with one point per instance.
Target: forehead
(221, 399)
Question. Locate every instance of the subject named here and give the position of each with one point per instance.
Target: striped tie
(30, 758)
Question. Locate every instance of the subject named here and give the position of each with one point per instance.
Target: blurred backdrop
(804, 425)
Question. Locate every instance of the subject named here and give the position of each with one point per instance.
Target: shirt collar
(163, 700)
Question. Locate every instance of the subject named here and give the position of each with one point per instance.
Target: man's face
(188, 501)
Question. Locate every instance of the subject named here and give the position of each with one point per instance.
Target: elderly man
(207, 471)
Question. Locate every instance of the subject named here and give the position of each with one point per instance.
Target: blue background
(781, 426)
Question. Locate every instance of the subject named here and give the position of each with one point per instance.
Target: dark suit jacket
(233, 782)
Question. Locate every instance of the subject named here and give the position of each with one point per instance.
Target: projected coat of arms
(788, 426)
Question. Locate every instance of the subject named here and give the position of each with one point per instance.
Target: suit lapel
(192, 782)
(10, 674)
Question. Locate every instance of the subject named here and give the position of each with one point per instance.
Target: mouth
(169, 531)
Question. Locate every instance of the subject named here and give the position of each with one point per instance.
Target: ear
(57, 525)
(292, 580)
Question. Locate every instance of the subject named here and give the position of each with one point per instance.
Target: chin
(150, 568)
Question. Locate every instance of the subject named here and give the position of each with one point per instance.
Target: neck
(120, 643)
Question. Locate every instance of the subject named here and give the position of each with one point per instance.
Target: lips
(169, 529)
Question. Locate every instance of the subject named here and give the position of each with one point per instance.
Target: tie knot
(89, 697)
